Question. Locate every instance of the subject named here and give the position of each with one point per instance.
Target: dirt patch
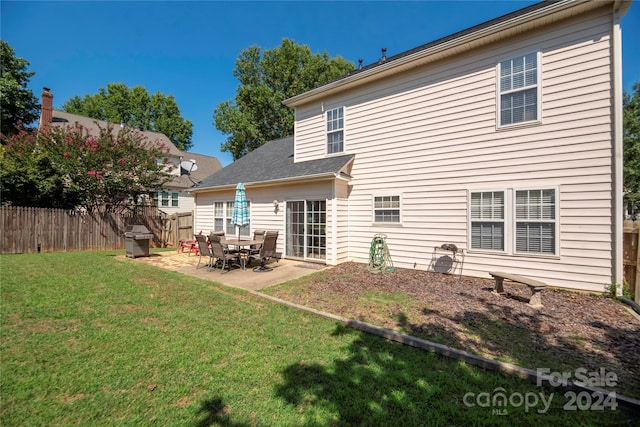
(572, 331)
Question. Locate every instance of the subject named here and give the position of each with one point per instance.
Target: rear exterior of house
(504, 139)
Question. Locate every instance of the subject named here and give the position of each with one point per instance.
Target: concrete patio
(282, 271)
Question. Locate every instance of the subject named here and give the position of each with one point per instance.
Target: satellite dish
(188, 166)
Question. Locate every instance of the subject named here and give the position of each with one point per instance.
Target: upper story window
(335, 130)
(386, 209)
(519, 89)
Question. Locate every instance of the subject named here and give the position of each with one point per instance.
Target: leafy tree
(134, 107)
(257, 114)
(69, 168)
(27, 175)
(18, 105)
(631, 125)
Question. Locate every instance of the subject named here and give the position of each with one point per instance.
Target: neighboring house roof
(497, 29)
(206, 166)
(272, 163)
(93, 125)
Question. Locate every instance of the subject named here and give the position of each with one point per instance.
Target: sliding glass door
(306, 229)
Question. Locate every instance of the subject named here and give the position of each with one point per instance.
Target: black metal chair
(267, 251)
(204, 250)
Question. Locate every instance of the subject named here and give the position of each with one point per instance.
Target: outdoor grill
(136, 239)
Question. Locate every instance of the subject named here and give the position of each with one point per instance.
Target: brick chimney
(46, 113)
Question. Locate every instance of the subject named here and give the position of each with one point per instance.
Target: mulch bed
(573, 330)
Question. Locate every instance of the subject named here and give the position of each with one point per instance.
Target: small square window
(386, 209)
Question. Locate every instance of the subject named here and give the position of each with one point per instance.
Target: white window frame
(222, 212)
(332, 127)
(511, 222)
(375, 209)
(520, 89)
(487, 220)
(555, 220)
(168, 199)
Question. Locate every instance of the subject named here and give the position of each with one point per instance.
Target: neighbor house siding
(430, 135)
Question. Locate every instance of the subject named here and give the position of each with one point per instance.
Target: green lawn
(89, 339)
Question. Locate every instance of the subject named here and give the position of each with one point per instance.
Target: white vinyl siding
(536, 221)
(386, 209)
(335, 130)
(518, 89)
(487, 220)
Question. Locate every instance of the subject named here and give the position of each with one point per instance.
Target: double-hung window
(168, 198)
(335, 130)
(386, 209)
(518, 89)
(487, 220)
(514, 221)
(222, 213)
(536, 221)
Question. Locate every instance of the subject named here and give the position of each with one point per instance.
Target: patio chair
(257, 235)
(204, 250)
(221, 252)
(217, 233)
(267, 251)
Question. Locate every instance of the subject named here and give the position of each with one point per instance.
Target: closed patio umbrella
(240, 214)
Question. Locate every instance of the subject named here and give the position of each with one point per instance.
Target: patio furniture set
(225, 253)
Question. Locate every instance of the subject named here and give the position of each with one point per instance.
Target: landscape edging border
(473, 359)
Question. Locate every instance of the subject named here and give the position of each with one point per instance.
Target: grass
(490, 331)
(90, 339)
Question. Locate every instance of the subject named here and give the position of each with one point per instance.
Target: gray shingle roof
(206, 166)
(273, 162)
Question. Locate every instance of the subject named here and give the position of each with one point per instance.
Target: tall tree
(69, 168)
(631, 105)
(17, 103)
(256, 114)
(135, 108)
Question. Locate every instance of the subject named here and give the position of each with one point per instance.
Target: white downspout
(618, 151)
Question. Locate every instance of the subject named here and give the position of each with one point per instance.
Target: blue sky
(188, 49)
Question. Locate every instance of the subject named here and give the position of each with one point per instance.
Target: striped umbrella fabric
(240, 214)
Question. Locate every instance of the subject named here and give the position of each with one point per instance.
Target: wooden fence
(31, 230)
(631, 257)
(178, 226)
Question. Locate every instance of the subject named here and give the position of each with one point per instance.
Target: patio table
(243, 254)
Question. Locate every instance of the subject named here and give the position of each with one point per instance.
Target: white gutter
(296, 179)
(446, 48)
